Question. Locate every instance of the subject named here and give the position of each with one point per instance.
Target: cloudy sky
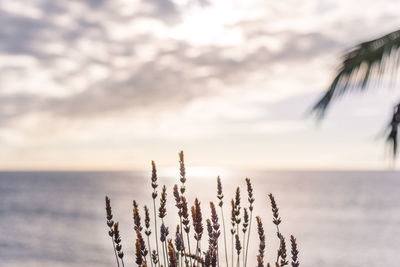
(112, 84)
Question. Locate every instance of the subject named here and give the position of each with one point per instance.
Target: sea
(339, 218)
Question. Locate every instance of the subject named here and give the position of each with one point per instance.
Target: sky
(114, 84)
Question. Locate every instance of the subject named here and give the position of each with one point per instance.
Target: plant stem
(115, 251)
(197, 248)
(279, 236)
(238, 254)
(232, 249)
(183, 242)
(166, 249)
(248, 238)
(148, 244)
(163, 252)
(155, 228)
(190, 253)
(244, 251)
(223, 224)
(217, 254)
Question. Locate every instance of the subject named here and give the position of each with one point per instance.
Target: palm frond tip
(365, 61)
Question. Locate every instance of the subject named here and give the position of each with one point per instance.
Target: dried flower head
(245, 220)
(210, 258)
(109, 216)
(108, 208)
(207, 259)
(237, 206)
(238, 246)
(143, 249)
(117, 240)
(178, 200)
(233, 217)
(182, 171)
(214, 258)
(139, 257)
(295, 252)
(185, 214)
(250, 197)
(214, 219)
(210, 232)
(179, 244)
(111, 232)
(163, 231)
(136, 217)
(220, 196)
(172, 255)
(282, 252)
(275, 210)
(154, 184)
(197, 220)
(162, 211)
(154, 257)
(147, 221)
(261, 236)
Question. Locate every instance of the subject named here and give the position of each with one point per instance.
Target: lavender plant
(177, 252)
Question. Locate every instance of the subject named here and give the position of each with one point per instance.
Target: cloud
(75, 60)
(173, 79)
(99, 80)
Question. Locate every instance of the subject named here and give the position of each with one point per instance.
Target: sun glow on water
(197, 172)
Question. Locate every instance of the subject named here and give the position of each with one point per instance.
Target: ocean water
(339, 218)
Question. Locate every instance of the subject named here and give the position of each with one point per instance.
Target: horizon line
(207, 168)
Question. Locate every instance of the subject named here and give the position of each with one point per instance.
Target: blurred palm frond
(365, 62)
(393, 131)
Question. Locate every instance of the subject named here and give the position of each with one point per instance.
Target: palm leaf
(365, 62)
(393, 128)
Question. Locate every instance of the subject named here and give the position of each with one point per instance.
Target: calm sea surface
(339, 218)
